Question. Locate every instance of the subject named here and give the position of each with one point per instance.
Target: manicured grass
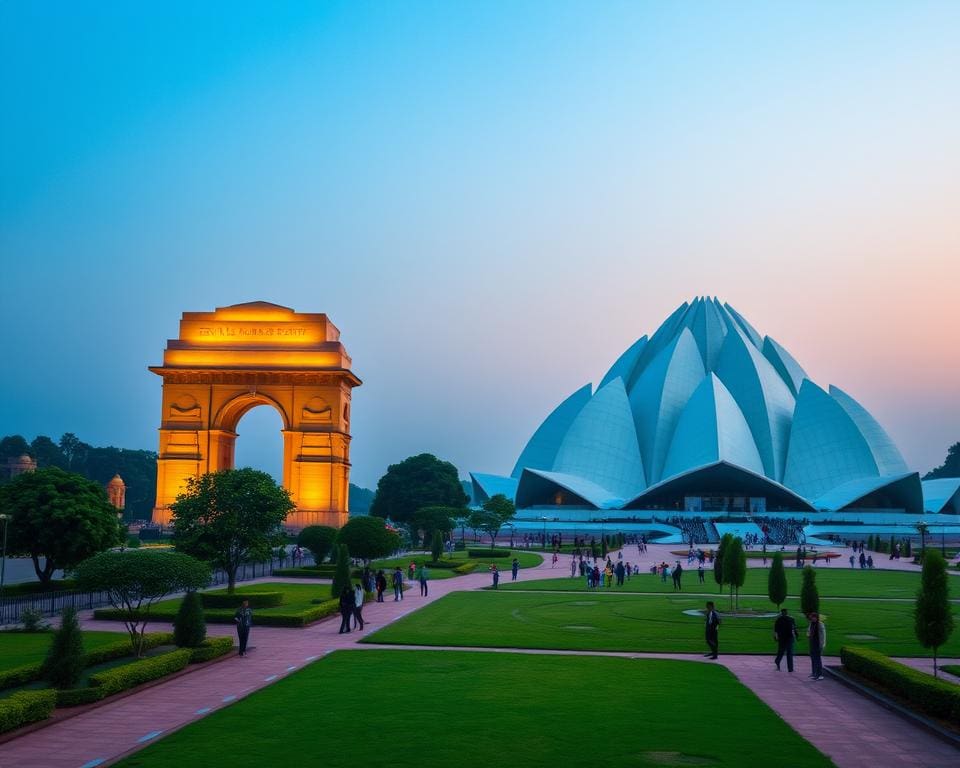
(618, 622)
(830, 583)
(18, 649)
(490, 709)
(526, 560)
(953, 669)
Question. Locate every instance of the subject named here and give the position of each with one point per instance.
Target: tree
(136, 579)
(492, 516)
(368, 538)
(718, 573)
(341, 575)
(58, 516)
(230, 517)
(809, 597)
(13, 446)
(734, 567)
(319, 540)
(950, 466)
(72, 448)
(436, 548)
(417, 482)
(190, 626)
(777, 581)
(64, 662)
(433, 519)
(47, 453)
(933, 618)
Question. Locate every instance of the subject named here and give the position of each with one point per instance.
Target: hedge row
(302, 573)
(38, 588)
(465, 568)
(256, 599)
(211, 648)
(485, 553)
(112, 681)
(28, 673)
(25, 707)
(927, 694)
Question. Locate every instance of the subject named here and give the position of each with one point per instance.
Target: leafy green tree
(190, 626)
(734, 567)
(368, 538)
(950, 466)
(417, 482)
(718, 572)
(496, 512)
(47, 453)
(777, 581)
(341, 574)
(72, 448)
(809, 596)
(359, 500)
(58, 516)
(14, 446)
(436, 548)
(319, 540)
(64, 662)
(933, 617)
(433, 519)
(230, 517)
(135, 580)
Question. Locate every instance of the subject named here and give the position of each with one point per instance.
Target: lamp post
(3, 556)
(544, 518)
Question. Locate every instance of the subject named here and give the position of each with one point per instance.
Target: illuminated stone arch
(227, 362)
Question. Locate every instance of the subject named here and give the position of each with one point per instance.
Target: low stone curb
(922, 721)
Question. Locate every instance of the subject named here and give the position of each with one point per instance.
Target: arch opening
(259, 441)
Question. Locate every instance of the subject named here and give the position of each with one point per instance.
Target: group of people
(785, 633)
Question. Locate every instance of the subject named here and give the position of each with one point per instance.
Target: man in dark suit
(785, 633)
(712, 625)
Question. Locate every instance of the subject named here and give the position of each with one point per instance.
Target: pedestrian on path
(573, 567)
(700, 572)
(496, 576)
(817, 638)
(785, 633)
(515, 569)
(358, 606)
(553, 562)
(712, 631)
(422, 577)
(381, 582)
(397, 584)
(243, 618)
(677, 574)
(346, 609)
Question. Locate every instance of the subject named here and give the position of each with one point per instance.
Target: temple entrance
(229, 361)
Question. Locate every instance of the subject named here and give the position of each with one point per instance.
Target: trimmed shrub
(17, 676)
(112, 681)
(190, 628)
(488, 553)
(341, 577)
(121, 648)
(465, 568)
(257, 599)
(436, 546)
(36, 587)
(65, 658)
(307, 572)
(319, 540)
(32, 621)
(809, 596)
(211, 648)
(77, 697)
(777, 580)
(26, 707)
(924, 693)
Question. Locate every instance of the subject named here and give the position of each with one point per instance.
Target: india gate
(233, 359)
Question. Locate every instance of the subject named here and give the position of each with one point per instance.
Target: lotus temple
(706, 426)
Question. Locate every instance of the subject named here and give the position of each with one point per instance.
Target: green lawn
(18, 649)
(619, 622)
(490, 709)
(830, 583)
(526, 560)
(296, 597)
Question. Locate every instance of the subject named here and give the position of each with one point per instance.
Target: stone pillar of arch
(239, 357)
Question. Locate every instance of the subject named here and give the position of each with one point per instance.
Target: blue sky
(490, 199)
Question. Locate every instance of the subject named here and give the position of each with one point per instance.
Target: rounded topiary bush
(189, 627)
(64, 662)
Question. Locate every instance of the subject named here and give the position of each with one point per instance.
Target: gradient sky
(490, 199)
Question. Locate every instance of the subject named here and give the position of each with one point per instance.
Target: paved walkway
(852, 731)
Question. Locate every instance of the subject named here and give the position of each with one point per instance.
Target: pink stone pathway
(852, 731)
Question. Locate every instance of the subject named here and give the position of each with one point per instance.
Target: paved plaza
(851, 730)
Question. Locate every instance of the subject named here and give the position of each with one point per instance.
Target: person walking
(785, 633)
(496, 576)
(422, 577)
(553, 562)
(712, 631)
(358, 606)
(397, 584)
(677, 574)
(243, 618)
(817, 639)
(381, 582)
(346, 609)
(514, 569)
(700, 572)
(573, 567)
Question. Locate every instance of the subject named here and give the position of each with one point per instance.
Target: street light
(3, 556)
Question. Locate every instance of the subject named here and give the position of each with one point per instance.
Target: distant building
(19, 465)
(116, 493)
